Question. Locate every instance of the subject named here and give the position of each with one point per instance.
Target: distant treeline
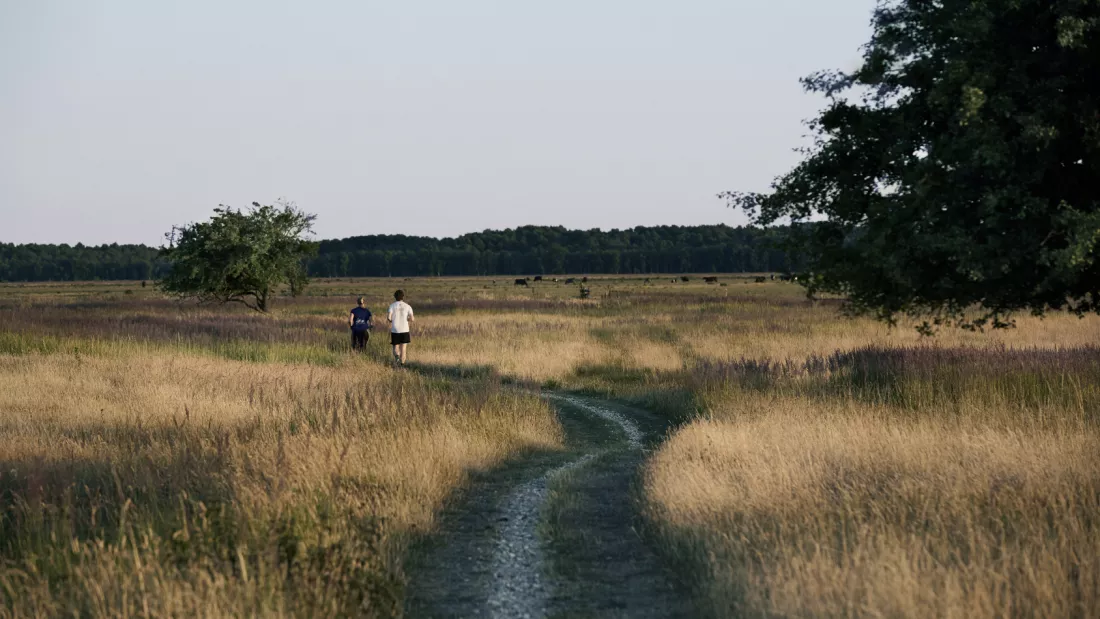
(529, 250)
(39, 263)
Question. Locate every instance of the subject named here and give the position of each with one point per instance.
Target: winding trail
(543, 537)
(519, 587)
(629, 428)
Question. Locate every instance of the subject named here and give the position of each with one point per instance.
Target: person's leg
(397, 353)
(402, 347)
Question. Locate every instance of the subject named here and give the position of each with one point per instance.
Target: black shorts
(399, 338)
(359, 339)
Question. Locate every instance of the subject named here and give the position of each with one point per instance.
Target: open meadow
(167, 459)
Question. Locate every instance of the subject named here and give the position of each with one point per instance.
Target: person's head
(360, 301)
(399, 295)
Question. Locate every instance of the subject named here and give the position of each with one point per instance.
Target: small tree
(240, 257)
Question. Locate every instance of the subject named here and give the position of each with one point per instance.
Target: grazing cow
(584, 280)
(585, 293)
(571, 280)
(554, 279)
(685, 278)
(538, 278)
(761, 280)
(521, 282)
(710, 280)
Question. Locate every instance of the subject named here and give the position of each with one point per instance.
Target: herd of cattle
(526, 281)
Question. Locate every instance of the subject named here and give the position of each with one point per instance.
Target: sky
(122, 118)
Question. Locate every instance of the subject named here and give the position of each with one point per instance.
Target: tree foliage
(41, 262)
(240, 257)
(534, 250)
(957, 167)
(527, 250)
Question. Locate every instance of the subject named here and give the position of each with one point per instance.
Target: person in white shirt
(400, 315)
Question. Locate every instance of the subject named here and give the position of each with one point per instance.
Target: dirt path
(553, 535)
(519, 586)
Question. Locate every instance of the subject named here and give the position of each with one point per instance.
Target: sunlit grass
(212, 458)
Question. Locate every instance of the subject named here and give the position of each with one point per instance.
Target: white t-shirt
(399, 314)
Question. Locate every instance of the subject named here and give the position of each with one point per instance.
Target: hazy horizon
(121, 118)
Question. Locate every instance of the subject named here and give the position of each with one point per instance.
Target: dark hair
(360, 301)
(399, 295)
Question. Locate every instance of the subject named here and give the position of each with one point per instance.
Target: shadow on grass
(458, 372)
(182, 512)
(918, 378)
(157, 470)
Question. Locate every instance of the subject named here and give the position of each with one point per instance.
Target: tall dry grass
(160, 484)
(890, 482)
(207, 460)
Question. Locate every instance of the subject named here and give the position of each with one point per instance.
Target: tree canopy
(957, 167)
(534, 250)
(240, 256)
(528, 250)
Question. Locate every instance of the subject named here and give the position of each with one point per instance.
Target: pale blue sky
(120, 118)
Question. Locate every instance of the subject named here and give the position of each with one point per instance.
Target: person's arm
(351, 319)
(411, 317)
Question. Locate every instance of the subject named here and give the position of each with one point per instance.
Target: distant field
(165, 458)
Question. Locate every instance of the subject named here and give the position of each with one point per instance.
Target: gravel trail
(629, 428)
(519, 587)
(498, 562)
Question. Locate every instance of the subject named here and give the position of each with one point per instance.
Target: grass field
(163, 459)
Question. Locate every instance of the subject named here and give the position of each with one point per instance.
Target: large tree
(240, 256)
(958, 167)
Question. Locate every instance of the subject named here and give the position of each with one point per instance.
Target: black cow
(710, 280)
(571, 280)
(761, 280)
(538, 278)
(521, 282)
(685, 278)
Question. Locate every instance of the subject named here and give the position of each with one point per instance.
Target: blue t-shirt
(361, 321)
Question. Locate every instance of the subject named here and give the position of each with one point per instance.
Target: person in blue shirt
(361, 324)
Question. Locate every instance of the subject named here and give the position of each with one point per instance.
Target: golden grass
(210, 462)
(794, 501)
(229, 488)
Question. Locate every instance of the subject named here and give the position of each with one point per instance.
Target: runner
(400, 315)
(361, 324)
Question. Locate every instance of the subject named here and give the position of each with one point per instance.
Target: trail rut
(555, 535)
